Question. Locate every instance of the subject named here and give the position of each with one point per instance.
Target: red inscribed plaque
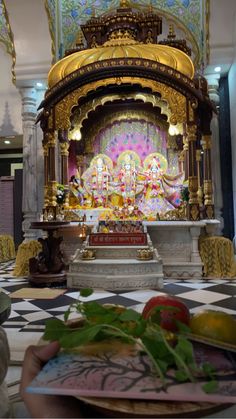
(117, 239)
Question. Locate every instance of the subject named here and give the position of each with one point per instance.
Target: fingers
(35, 358)
(44, 353)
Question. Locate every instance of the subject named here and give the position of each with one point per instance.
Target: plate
(212, 342)
(142, 409)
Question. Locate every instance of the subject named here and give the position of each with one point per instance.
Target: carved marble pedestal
(116, 268)
(177, 244)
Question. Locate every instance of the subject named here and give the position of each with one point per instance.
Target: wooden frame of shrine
(123, 57)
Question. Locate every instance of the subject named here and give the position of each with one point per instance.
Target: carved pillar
(46, 166)
(185, 153)
(64, 150)
(31, 185)
(213, 90)
(195, 233)
(199, 190)
(52, 183)
(193, 210)
(207, 178)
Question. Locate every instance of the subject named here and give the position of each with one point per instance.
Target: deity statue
(97, 180)
(161, 191)
(128, 176)
(76, 190)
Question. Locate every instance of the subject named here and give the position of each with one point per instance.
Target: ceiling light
(173, 130)
(77, 135)
(7, 142)
(217, 69)
(38, 84)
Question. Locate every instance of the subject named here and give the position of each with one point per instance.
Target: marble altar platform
(116, 268)
(175, 241)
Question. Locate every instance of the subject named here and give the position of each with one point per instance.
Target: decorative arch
(176, 101)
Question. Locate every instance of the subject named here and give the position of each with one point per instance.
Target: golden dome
(171, 57)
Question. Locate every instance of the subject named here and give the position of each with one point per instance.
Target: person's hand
(43, 406)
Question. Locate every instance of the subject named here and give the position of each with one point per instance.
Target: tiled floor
(29, 315)
(27, 320)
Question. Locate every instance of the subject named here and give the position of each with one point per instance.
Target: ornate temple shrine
(131, 120)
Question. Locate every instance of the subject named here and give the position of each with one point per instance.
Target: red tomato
(166, 318)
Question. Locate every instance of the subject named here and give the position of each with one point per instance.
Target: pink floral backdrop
(140, 136)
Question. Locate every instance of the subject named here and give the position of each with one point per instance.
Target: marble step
(113, 252)
(115, 266)
(115, 282)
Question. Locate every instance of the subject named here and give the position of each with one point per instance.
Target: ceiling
(32, 41)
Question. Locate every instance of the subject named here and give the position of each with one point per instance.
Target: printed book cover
(127, 376)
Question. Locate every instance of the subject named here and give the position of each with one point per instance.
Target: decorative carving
(194, 212)
(82, 112)
(52, 193)
(209, 211)
(64, 147)
(206, 142)
(207, 187)
(191, 132)
(51, 139)
(176, 43)
(115, 283)
(176, 101)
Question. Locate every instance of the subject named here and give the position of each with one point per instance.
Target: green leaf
(92, 309)
(86, 292)
(130, 315)
(184, 348)
(139, 328)
(208, 369)
(210, 387)
(55, 329)
(105, 318)
(181, 376)
(182, 327)
(163, 365)
(80, 337)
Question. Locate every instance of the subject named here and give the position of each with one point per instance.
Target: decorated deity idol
(76, 190)
(97, 179)
(161, 191)
(128, 176)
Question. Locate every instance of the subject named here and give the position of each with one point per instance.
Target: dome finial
(124, 4)
(150, 7)
(171, 34)
(93, 14)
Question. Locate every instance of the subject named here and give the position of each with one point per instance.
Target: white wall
(10, 103)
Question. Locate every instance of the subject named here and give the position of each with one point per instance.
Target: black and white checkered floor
(29, 315)
(26, 323)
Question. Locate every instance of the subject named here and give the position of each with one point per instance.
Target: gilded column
(64, 150)
(185, 153)
(31, 184)
(46, 169)
(207, 177)
(199, 190)
(193, 210)
(52, 183)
